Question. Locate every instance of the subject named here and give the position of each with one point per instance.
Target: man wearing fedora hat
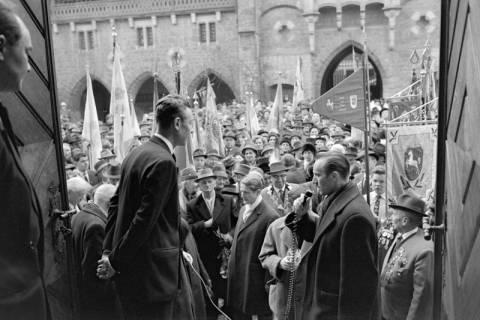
(229, 140)
(210, 216)
(249, 152)
(280, 194)
(406, 280)
(112, 173)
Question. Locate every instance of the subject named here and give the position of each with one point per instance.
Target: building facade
(244, 46)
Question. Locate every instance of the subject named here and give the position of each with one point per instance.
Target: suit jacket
(407, 280)
(97, 297)
(337, 278)
(277, 242)
(207, 242)
(246, 278)
(22, 290)
(292, 192)
(142, 233)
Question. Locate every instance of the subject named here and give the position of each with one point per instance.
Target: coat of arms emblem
(353, 101)
(413, 162)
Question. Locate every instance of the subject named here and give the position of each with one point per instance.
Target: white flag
(123, 133)
(91, 129)
(298, 93)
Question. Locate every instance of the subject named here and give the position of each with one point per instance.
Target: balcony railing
(67, 11)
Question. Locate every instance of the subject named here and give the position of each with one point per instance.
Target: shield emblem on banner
(353, 101)
(330, 105)
(413, 162)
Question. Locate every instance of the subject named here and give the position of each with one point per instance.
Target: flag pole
(367, 114)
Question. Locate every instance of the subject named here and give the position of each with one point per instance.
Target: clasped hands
(104, 268)
(291, 261)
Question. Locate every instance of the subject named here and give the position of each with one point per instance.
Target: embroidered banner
(411, 160)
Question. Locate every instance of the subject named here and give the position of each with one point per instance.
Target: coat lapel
(218, 207)
(252, 218)
(202, 208)
(344, 198)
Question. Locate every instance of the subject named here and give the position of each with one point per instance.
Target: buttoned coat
(207, 242)
(407, 280)
(338, 277)
(143, 227)
(22, 289)
(246, 290)
(292, 191)
(277, 242)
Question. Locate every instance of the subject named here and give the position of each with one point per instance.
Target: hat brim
(279, 171)
(206, 177)
(111, 176)
(107, 157)
(221, 174)
(396, 206)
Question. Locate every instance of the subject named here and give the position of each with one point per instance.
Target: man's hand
(301, 207)
(104, 269)
(208, 223)
(290, 262)
(188, 257)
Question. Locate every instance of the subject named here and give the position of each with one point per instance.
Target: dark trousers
(238, 315)
(135, 310)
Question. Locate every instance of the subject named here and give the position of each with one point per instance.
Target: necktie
(247, 213)
(376, 206)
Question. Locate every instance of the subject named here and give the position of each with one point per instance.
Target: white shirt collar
(211, 200)
(373, 195)
(251, 207)
(409, 233)
(167, 142)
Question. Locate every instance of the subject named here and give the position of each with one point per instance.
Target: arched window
(344, 64)
(144, 97)
(223, 92)
(102, 100)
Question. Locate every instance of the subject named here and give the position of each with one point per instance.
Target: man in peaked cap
(199, 158)
(406, 280)
(211, 219)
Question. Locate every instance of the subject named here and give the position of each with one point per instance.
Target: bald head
(103, 194)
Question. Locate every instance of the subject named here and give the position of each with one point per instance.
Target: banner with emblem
(411, 160)
(345, 102)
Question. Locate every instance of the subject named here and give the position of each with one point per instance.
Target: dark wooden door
(34, 117)
(458, 194)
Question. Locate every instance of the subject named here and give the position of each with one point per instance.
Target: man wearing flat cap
(210, 216)
(406, 280)
(199, 158)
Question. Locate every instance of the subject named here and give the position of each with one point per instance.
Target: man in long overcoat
(246, 292)
(337, 278)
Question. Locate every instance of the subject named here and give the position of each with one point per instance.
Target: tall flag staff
(154, 102)
(91, 128)
(135, 125)
(366, 82)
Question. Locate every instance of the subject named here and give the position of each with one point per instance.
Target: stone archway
(223, 92)
(287, 90)
(341, 65)
(144, 97)
(102, 100)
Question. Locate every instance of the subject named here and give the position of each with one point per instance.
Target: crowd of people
(275, 226)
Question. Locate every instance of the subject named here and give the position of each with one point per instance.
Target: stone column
(311, 18)
(392, 14)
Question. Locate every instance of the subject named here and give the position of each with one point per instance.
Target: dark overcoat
(97, 297)
(22, 290)
(143, 228)
(207, 242)
(246, 290)
(338, 277)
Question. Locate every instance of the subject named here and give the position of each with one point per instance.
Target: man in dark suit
(97, 299)
(22, 288)
(246, 293)
(337, 278)
(142, 246)
(81, 164)
(210, 216)
(407, 274)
